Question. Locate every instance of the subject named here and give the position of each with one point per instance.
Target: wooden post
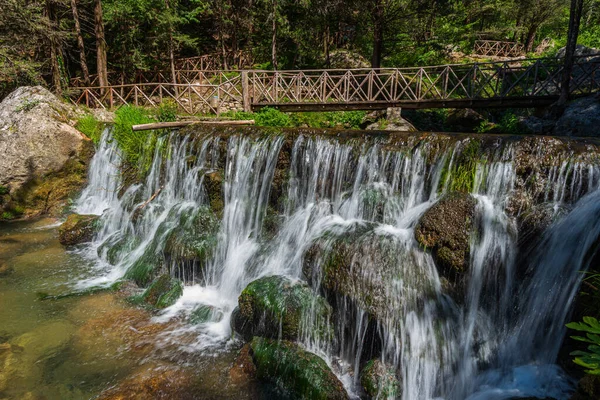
(246, 99)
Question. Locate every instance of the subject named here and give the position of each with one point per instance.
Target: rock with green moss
(445, 230)
(299, 373)
(588, 388)
(195, 236)
(5, 269)
(377, 272)
(213, 184)
(379, 381)
(145, 268)
(204, 314)
(275, 306)
(77, 229)
(163, 292)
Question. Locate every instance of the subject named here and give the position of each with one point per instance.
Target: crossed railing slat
(213, 91)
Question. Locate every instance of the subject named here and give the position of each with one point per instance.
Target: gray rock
(36, 137)
(392, 122)
(464, 120)
(581, 118)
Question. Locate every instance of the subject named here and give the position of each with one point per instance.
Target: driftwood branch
(144, 204)
(180, 124)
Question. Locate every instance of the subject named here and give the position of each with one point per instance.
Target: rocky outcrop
(194, 237)
(37, 140)
(274, 307)
(77, 229)
(301, 374)
(379, 381)
(445, 229)
(464, 120)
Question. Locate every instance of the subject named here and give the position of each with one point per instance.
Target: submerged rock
(445, 230)
(296, 371)
(77, 229)
(379, 381)
(274, 307)
(163, 292)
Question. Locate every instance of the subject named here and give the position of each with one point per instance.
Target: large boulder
(464, 120)
(580, 118)
(35, 136)
(77, 229)
(301, 374)
(275, 306)
(445, 230)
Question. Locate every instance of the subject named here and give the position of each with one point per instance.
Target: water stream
(499, 340)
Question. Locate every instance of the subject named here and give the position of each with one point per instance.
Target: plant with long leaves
(590, 360)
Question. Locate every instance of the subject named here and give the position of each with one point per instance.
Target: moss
(144, 268)
(460, 176)
(163, 292)
(204, 314)
(195, 236)
(379, 381)
(90, 127)
(77, 229)
(274, 306)
(297, 372)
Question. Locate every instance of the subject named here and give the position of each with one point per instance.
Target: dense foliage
(590, 360)
(39, 39)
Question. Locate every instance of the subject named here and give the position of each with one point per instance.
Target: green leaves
(590, 360)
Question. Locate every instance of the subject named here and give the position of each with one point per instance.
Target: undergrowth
(272, 117)
(90, 127)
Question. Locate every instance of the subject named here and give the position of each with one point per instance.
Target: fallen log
(180, 124)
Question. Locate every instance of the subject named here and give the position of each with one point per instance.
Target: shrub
(590, 360)
(167, 111)
(90, 127)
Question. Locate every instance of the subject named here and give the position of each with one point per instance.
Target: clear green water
(78, 347)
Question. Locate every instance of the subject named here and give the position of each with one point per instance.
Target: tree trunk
(574, 21)
(80, 45)
(326, 45)
(54, 48)
(530, 38)
(377, 35)
(274, 39)
(101, 60)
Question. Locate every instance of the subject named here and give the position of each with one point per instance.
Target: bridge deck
(523, 83)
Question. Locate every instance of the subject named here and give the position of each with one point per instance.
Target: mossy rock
(195, 236)
(377, 272)
(445, 230)
(588, 388)
(297, 372)
(78, 229)
(163, 292)
(145, 268)
(213, 184)
(204, 314)
(274, 307)
(379, 381)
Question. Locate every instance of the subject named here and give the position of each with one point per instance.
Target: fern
(590, 360)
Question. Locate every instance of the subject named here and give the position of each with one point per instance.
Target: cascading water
(365, 200)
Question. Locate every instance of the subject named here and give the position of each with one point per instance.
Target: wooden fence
(494, 48)
(506, 84)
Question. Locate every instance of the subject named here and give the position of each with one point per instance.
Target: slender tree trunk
(274, 38)
(54, 47)
(530, 38)
(172, 54)
(574, 21)
(377, 34)
(80, 45)
(326, 45)
(101, 59)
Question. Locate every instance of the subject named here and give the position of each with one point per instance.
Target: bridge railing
(481, 84)
(494, 48)
(445, 83)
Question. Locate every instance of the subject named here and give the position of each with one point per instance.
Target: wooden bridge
(523, 83)
(494, 48)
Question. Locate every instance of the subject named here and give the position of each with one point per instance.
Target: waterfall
(496, 339)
